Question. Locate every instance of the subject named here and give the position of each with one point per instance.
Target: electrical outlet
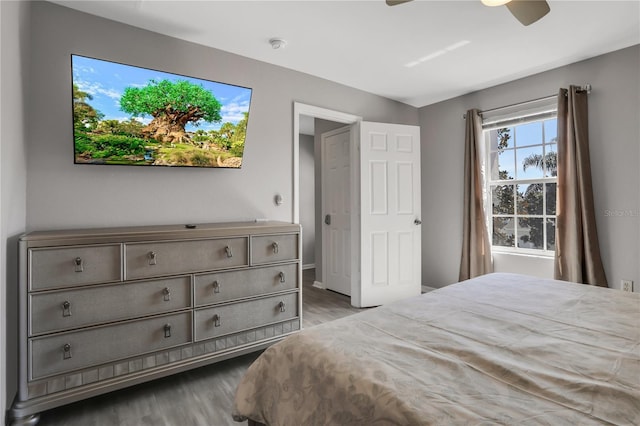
(626, 285)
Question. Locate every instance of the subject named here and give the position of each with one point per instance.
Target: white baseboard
(318, 284)
(309, 266)
(427, 289)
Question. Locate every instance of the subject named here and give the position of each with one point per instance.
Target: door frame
(315, 112)
(300, 109)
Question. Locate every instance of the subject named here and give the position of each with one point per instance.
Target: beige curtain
(577, 255)
(476, 248)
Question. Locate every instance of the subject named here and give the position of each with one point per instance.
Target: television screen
(129, 115)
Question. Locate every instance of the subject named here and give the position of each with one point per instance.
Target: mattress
(497, 349)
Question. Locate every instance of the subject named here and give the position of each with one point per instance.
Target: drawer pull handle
(227, 249)
(281, 275)
(216, 320)
(66, 309)
(79, 264)
(275, 248)
(167, 330)
(216, 287)
(153, 258)
(281, 306)
(66, 351)
(167, 294)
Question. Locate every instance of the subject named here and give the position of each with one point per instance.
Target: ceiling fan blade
(528, 11)
(396, 2)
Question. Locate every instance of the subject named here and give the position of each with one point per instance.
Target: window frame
(513, 121)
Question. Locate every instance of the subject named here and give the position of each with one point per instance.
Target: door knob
(327, 219)
(417, 221)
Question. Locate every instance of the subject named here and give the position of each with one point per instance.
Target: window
(521, 182)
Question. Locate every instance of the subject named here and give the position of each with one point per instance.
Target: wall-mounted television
(129, 115)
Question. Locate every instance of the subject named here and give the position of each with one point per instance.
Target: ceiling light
(495, 2)
(277, 43)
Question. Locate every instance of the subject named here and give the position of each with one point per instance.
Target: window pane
(551, 130)
(551, 234)
(530, 233)
(529, 199)
(503, 233)
(551, 198)
(500, 139)
(503, 165)
(551, 160)
(502, 199)
(494, 166)
(523, 207)
(529, 134)
(531, 162)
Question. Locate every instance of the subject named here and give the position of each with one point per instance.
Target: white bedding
(498, 349)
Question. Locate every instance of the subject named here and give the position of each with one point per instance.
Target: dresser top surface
(157, 232)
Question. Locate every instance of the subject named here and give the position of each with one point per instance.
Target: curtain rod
(585, 88)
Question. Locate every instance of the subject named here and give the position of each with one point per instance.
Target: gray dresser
(102, 309)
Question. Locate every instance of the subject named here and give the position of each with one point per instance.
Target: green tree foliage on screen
(172, 105)
(85, 117)
(237, 145)
(131, 127)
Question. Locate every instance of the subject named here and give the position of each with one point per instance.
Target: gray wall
(63, 195)
(307, 199)
(614, 108)
(14, 63)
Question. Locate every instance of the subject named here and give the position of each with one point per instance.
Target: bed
(497, 349)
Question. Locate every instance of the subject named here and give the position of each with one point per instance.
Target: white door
(390, 231)
(336, 210)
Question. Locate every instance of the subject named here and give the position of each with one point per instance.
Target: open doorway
(384, 239)
(311, 121)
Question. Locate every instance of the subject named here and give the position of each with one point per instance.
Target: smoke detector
(277, 43)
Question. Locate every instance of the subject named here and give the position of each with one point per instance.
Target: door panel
(404, 189)
(336, 207)
(389, 206)
(378, 187)
(379, 258)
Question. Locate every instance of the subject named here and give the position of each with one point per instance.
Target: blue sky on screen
(106, 82)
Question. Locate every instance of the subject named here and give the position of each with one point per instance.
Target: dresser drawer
(221, 320)
(71, 266)
(147, 260)
(50, 355)
(60, 310)
(224, 286)
(273, 248)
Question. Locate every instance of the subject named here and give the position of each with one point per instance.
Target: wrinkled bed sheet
(498, 349)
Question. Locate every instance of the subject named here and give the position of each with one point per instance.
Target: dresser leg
(30, 420)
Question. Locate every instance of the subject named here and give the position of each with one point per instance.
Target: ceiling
(417, 53)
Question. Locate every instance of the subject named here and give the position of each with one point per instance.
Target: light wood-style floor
(200, 397)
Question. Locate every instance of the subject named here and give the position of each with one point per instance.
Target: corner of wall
(14, 74)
